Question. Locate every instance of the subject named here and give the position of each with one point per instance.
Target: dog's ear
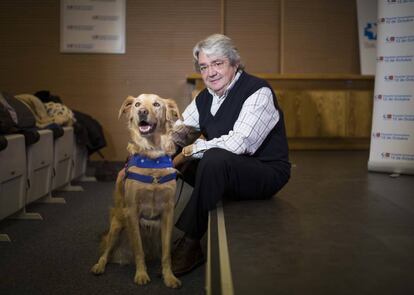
(126, 106)
(173, 113)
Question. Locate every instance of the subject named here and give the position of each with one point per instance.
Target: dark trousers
(220, 174)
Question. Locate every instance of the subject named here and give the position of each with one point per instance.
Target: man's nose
(211, 71)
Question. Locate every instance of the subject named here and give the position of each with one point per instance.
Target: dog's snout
(143, 112)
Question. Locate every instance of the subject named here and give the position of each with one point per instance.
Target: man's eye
(156, 104)
(203, 68)
(137, 104)
(218, 63)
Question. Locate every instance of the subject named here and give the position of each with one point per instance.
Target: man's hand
(182, 158)
(188, 150)
(179, 160)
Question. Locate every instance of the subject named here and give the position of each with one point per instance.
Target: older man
(243, 153)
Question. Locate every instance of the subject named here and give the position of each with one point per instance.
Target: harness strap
(145, 162)
(149, 178)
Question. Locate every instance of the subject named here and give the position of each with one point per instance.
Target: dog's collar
(145, 162)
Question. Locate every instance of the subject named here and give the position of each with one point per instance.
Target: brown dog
(144, 198)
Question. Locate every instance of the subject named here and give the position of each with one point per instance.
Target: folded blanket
(47, 113)
(38, 109)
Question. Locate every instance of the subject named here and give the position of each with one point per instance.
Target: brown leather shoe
(186, 256)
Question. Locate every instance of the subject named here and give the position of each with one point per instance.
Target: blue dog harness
(144, 162)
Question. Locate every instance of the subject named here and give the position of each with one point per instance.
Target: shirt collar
(236, 77)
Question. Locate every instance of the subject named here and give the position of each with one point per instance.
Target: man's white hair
(220, 46)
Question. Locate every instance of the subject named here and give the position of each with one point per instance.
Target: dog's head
(149, 113)
(149, 117)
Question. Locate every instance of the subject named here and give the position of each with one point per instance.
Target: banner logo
(390, 2)
(398, 117)
(370, 31)
(385, 155)
(399, 78)
(395, 20)
(390, 136)
(397, 156)
(393, 97)
(399, 39)
(395, 58)
(390, 39)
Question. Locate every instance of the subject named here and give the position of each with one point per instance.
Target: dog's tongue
(145, 128)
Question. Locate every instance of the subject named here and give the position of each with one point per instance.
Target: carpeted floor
(54, 256)
(334, 229)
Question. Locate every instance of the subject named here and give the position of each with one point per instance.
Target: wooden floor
(334, 229)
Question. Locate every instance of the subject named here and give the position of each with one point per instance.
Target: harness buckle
(155, 180)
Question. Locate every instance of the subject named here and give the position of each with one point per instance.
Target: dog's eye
(137, 104)
(156, 104)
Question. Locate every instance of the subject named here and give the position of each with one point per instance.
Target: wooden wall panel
(255, 28)
(159, 41)
(160, 35)
(321, 36)
(314, 114)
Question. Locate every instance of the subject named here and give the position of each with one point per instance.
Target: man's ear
(126, 106)
(173, 113)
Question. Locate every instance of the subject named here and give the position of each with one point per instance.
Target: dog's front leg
(110, 240)
(141, 275)
(166, 230)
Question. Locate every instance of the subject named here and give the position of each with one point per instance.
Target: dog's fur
(140, 207)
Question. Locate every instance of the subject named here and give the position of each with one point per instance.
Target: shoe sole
(183, 272)
(186, 271)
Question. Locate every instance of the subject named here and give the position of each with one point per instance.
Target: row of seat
(34, 172)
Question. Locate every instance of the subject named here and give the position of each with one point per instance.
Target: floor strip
(225, 269)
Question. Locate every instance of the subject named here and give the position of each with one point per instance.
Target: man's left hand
(183, 157)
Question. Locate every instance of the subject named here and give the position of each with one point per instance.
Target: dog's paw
(172, 282)
(98, 269)
(141, 278)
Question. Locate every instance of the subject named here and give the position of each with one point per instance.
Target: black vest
(274, 149)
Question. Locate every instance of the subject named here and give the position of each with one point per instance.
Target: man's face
(217, 73)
